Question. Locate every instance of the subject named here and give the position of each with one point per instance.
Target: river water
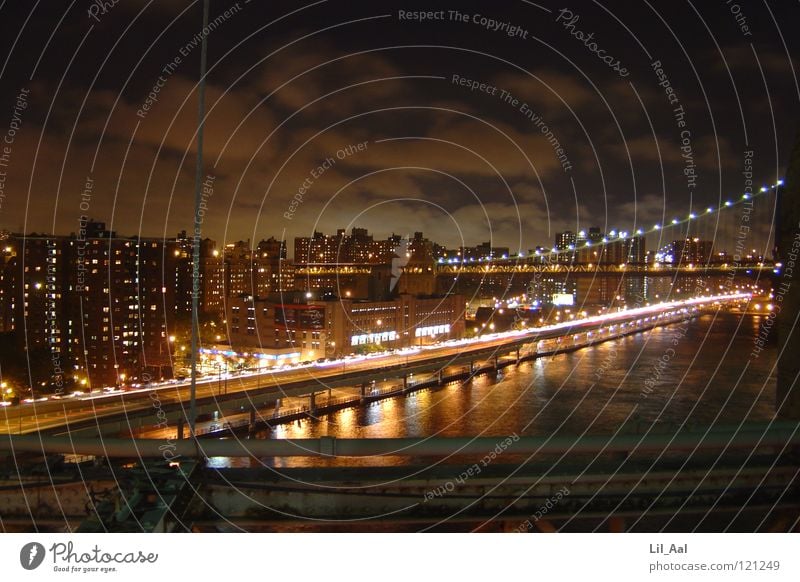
(700, 372)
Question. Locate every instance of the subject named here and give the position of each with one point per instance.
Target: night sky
(293, 84)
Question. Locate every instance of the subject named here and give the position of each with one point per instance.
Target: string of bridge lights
(624, 235)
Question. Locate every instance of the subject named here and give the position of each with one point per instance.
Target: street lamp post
(6, 390)
(201, 115)
(333, 356)
(219, 377)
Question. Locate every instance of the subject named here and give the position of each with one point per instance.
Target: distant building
(348, 281)
(542, 290)
(315, 249)
(635, 251)
(421, 247)
(616, 249)
(212, 274)
(257, 271)
(296, 327)
(7, 282)
(358, 247)
(692, 251)
(483, 252)
(595, 235)
(540, 255)
(356, 266)
(35, 282)
(565, 240)
(102, 306)
(565, 244)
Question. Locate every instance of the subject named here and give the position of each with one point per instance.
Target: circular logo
(31, 555)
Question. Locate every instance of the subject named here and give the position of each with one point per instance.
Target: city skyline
(665, 232)
(106, 307)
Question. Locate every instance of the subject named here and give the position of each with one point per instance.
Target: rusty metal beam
(777, 436)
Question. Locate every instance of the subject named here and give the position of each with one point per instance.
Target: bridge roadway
(123, 413)
(528, 265)
(636, 269)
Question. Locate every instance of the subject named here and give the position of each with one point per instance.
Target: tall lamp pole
(198, 176)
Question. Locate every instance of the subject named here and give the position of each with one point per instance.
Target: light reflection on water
(594, 390)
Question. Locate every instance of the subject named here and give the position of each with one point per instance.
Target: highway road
(52, 413)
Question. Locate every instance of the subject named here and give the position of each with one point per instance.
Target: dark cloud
(284, 97)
